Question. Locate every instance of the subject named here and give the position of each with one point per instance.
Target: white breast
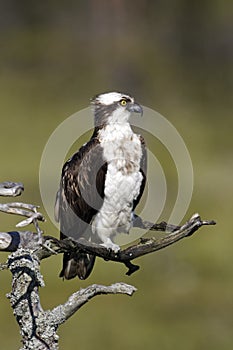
(122, 152)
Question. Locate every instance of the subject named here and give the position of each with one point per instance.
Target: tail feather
(79, 264)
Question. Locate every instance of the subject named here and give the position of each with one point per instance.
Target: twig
(147, 225)
(23, 209)
(11, 189)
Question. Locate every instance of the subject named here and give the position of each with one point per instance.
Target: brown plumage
(82, 189)
(78, 205)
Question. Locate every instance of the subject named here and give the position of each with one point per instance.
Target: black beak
(135, 108)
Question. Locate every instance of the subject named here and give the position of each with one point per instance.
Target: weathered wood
(38, 327)
(51, 245)
(11, 189)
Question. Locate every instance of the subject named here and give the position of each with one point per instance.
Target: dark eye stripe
(126, 99)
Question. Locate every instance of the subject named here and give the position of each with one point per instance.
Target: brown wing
(82, 189)
(81, 196)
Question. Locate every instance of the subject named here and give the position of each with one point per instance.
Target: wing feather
(82, 189)
(78, 200)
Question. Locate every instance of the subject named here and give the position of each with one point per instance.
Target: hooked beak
(135, 108)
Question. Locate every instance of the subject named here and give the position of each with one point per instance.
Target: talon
(111, 246)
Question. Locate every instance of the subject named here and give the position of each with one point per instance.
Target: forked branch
(48, 245)
(38, 327)
(11, 241)
(143, 247)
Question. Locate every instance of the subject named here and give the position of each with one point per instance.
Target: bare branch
(11, 189)
(23, 209)
(145, 246)
(47, 246)
(147, 225)
(51, 245)
(62, 312)
(38, 327)
(11, 241)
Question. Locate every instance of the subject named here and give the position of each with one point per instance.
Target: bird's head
(114, 107)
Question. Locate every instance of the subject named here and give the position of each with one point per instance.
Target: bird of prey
(102, 183)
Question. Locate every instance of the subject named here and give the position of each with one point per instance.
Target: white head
(114, 107)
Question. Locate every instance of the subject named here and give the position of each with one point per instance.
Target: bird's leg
(107, 243)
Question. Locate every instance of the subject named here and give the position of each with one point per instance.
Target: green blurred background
(175, 57)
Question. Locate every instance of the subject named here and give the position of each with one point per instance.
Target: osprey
(102, 183)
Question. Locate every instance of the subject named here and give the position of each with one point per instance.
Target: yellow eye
(123, 102)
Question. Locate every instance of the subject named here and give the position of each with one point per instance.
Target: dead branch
(145, 245)
(51, 245)
(39, 327)
(11, 189)
(62, 312)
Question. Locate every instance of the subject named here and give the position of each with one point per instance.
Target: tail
(77, 264)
